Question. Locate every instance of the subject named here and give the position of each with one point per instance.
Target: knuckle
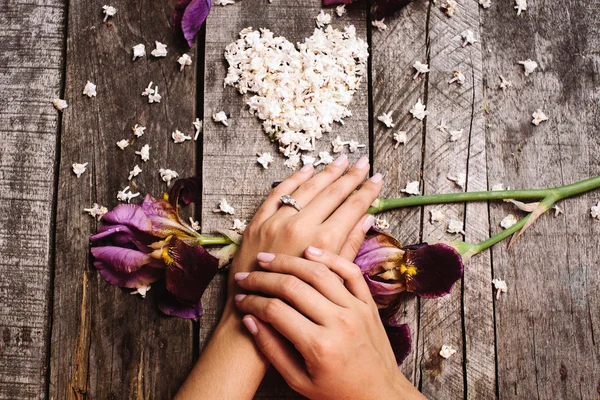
(276, 193)
(335, 192)
(324, 239)
(322, 348)
(293, 229)
(320, 270)
(272, 308)
(290, 285)
(267, 348)
(346, 321)
(309, 186)
(357, 203)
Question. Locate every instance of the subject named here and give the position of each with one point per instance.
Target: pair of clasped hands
(296, 300)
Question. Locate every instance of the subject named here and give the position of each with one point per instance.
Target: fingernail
(306, 168)
(239, 297)
(340, 160)
(250, 325)
(362, 162)
(368, 223)
(240, 276)
(314, 251)
(265, 257)
(376, 178)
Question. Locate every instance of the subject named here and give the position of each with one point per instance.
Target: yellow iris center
(410, 269)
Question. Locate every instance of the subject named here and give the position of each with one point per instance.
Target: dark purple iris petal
(438, 267)
(130, 215)
(187, 190)
(121, 259)
(190, 272)
(399, 337)
(144, 276)
(168, 304)
(385, 8)
(193, 17)
(178, 16)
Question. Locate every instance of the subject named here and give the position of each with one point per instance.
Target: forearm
(230, 366)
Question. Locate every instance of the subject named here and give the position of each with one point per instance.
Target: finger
(328, 200)
(279, 352)
(315, 274)
(292, 290)
(290, 185)
(356, 237)
(347, 270)
(309, 189)
(355, 206)
(290, 323)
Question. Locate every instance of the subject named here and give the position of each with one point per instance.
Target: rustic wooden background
(66, 334)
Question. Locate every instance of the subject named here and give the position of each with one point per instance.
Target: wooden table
(67, 334)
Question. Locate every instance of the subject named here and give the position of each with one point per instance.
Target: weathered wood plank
(229, 153)
(31, 48)
(547, 323)
(105, 342)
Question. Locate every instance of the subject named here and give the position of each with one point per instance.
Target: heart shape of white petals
(300, 91)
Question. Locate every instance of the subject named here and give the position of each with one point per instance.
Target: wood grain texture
(547, 323)
(107, 343)
(230, 169)
(31, 50)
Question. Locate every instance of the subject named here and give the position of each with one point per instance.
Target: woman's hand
(336, 345)
(330, 212)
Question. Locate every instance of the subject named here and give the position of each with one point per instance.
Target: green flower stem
(213, 240)
(559, 193)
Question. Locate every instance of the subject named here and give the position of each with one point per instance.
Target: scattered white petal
(338, 144)
(142, 290)
(307, 159)
(436, 215)
(418, 110)
(455, 226)
(557, 210)
(485, 3)
(379, 24)
(293, 161)
(96, 211)
(160, 50)
(154, 98)
(194, 224)
(381, 223)
(139, 51)
(521, 5)
(167, 175)
(134, 172)
(595, 211)
(126, 195)
(183, 61)
(460, 179)
(386, 119)
(138, 131)
(148, 91)
(144, 153)
(220, 117)
(108, 11)
(504, 83)
(198, 127)
(60, 104)
(90, 89)
(323, 19)
(412, 188)
(508, 221)
(324, 158)
(239, 225)
(265, 159)
(180, 137)
(421, 68)
(455, 135)
(123, 143)
(528, 66)
(450, 6)
(79, 169)
(353, 145)
(224, 2)
(457, 77)
(447, 351)
(400, 138)
(468, 37)
(500, 286)
(538, 116)
(340, 10)
(442, 127)
(225, 207)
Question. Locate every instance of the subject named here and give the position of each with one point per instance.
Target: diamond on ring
(290, 201)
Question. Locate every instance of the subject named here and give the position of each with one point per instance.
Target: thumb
(356, 237)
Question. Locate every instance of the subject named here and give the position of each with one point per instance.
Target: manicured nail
(250, 325)
(362, 162)
(240, 276)
(376, 178)
(368, 223)
(265, 257)
(314, 251)
(239, 297)
(340, 160)
(306, 168)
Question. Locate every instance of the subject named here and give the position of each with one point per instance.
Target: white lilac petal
(595, 211)
(138, 130)
(79, 169)
(122, 144)
(450, 7)
(500, 286)
(442, 126)
(308, 159)
(386, 119)
(167, 175)
(338, 144)
(324, 158)
(421, 68)
(354, 145)
(224, 2)
(265, 159)
(148, 91)
(340, 10)
(447, 351)
(126, 195)
(96, 211)
(508, 221)
(90, 89)
(485, 3)
(220, 117)
(144, 153)
(504, 83)
(498, 187)
(378, 23)
(456, 135)
(460, 179)
(160, 50)
(400, 138)
(197, 127)
(134, 172)
(154, 97)
(418, 110)
(184, 60)
(195, 225)
(436, 215)
(139, 51)
(239, 225)
(381, 223)
(528, 66)
(458, 77)
(109, 11)
(520, 6)
(323, 19)
(538, 116)
(60, 104)
(557, 210)
(293, 161)
(455, 226)
(180, 137)
(142, 290)
(224, 207)
(468, 38)
(412, 188)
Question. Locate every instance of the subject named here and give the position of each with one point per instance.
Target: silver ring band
(290, 201)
